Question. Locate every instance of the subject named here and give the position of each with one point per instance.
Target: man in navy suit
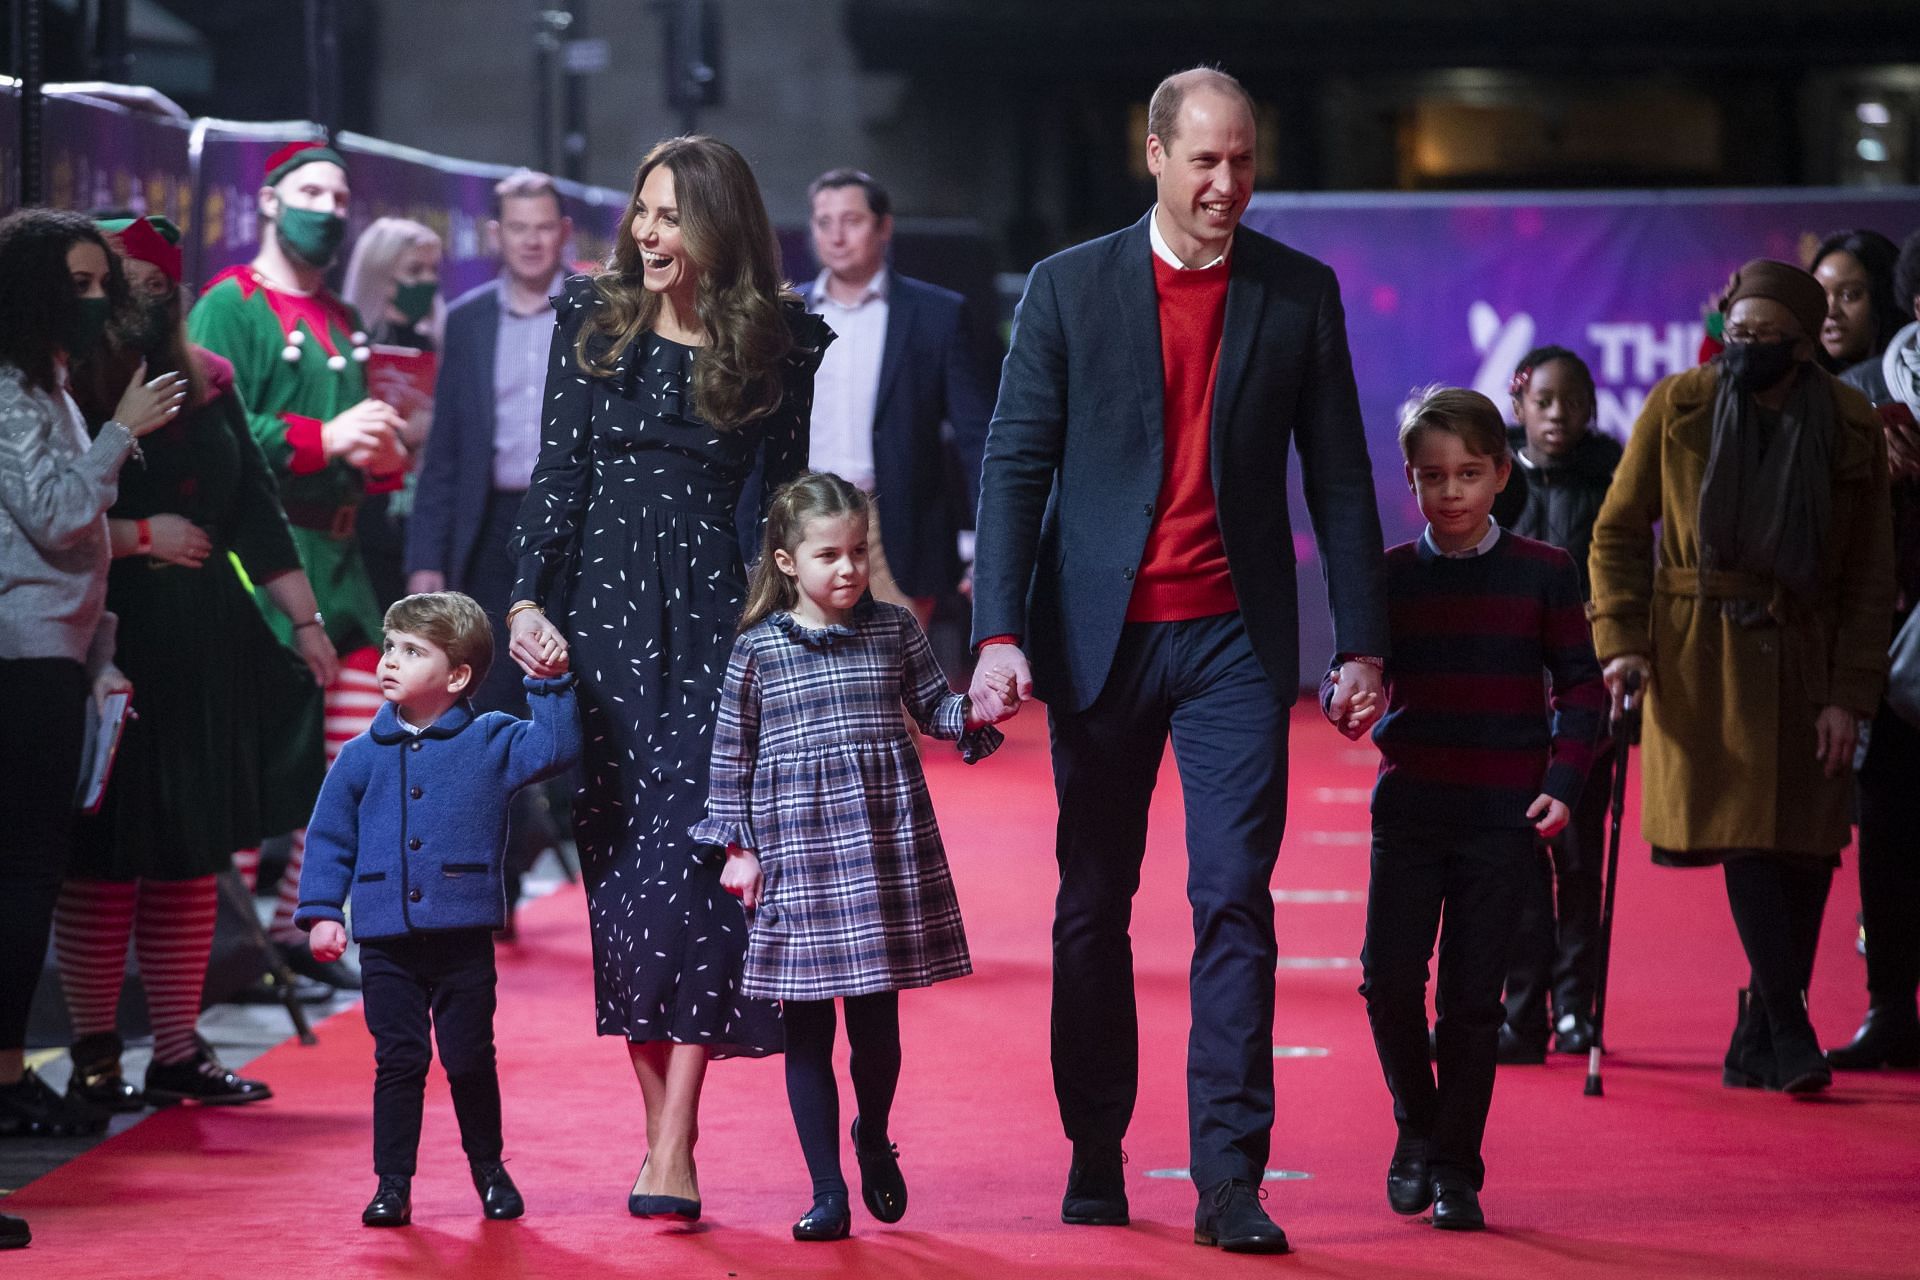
(485, 439)
(1134, 540)
(900, 369)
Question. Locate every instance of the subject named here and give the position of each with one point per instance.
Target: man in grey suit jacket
(1134, 539)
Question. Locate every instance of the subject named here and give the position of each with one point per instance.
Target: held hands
(1357, 699)
(147, 405)
(537, 645)
(1549, 815)
(178, 541)
(1002, 680)
(368, 436)
(741, 876)
(1618, 675)
(1835, 731)
(328, 941)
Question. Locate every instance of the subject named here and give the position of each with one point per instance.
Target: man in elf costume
(297, 353)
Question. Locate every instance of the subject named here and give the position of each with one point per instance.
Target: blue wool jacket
(415, 826)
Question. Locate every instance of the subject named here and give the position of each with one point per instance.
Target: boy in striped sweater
(1475, 766)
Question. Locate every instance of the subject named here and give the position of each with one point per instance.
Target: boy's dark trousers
(1556, 949)
(445, 980)
(1478, 874)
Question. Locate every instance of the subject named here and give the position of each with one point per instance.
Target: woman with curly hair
(60, 293)
(676, 374)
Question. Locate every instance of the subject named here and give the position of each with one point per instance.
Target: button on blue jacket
(414, 827)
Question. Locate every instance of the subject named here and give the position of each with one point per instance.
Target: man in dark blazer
(1134, 540)
(484, 442)
(900, 370)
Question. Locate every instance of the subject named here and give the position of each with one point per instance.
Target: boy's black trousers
(1472, 878)
(443, 981)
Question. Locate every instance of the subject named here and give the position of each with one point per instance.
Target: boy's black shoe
(1456, 1205)
(499, 1198)
(201, 1079)
(1096, 1187)
(881, 1186)
(1230, 1217)
(829, 1219)
(392, 1204)
(1409, 1183)
(31, 1109)
(13, 1232)
(1516, 1052)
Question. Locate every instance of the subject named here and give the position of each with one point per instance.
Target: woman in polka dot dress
(674, 373)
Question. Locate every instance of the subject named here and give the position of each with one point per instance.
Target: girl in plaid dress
(816, 793)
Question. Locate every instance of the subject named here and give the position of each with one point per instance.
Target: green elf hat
(151, 239)
(294, 154)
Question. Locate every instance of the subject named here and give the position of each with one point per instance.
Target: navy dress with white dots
(628, 540)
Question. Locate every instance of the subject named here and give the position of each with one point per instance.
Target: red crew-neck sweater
(1183, 573)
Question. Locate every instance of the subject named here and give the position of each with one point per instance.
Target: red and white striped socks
(171, 922)
(352, 701)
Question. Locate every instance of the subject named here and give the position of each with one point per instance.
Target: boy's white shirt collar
(1479, 548)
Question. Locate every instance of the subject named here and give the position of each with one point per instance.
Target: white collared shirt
(1163, 251)
(1479, 548)
(846, 390)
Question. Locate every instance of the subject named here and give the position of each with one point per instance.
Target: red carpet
(1668, 1175)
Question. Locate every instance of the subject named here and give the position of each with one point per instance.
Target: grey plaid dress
(813, 768)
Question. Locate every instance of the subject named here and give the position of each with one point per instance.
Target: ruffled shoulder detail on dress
(811, 336)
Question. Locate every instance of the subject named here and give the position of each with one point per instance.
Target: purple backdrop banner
(1455, 289)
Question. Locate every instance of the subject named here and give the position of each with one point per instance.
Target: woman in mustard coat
(1759, 621)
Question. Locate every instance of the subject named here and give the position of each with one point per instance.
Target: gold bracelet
(520, 607)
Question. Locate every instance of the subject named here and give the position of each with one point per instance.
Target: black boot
(1889, 1037)
(96, 1080)
(392, 1203)
(1799, 1064)
(1749, 1063)
(499, 1198)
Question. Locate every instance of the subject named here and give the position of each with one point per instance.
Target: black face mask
(1755, 366)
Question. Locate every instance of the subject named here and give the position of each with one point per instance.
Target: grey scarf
(1766, 504)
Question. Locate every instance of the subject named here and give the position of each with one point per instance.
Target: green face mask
(312, 235)
(415, 301)
(89, 328)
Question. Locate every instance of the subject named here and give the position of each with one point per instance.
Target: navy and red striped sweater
(1467, 736)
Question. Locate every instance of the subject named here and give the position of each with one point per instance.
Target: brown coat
(1728, 757)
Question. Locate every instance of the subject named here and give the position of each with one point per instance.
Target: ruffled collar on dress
(823, 637)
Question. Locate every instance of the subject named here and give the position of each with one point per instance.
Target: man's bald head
(1163, 110)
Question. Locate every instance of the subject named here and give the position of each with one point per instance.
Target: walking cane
(1626, 732)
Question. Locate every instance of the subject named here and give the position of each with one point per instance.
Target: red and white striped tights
(171, 923)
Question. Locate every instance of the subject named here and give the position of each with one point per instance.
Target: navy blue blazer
(414, 827)
(456, 475)
(929, 375)
(1074, 456)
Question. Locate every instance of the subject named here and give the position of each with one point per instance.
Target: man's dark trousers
(445, 980)
(1199, 682)
(1478, 874)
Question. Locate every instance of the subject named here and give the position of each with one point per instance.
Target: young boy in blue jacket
(412, 822)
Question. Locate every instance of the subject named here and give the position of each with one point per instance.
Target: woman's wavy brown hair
(723, 222)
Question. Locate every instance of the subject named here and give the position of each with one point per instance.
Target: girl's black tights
(873, 1038)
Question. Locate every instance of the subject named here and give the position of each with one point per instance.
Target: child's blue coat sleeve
(549, 743)
(333, 837)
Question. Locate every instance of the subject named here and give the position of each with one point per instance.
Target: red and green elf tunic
(297, 363)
